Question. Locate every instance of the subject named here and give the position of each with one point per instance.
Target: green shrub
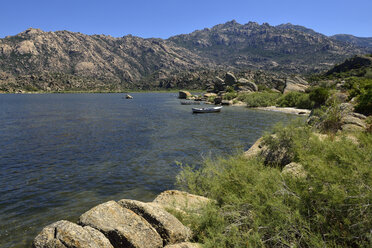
(259, 99)
(211, 98)
(304, 102)
(329, 118)
(295, 99)
(230, 95)
(361, 88)
(230, 89)
(319, 96)
(356, 85)
(364, 105)
(282, 147)
(262, 87)
(257, 206)
(289, 100)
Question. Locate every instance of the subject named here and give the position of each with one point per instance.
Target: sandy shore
(286, 110)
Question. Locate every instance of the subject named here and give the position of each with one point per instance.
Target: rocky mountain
(299, 28)
(357, 41)
(265, 47)
(48, 58)
(53, 61)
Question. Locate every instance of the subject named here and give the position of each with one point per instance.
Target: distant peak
(252, 23)
(232, 23)
(297, 27)
(288, 24)
(31, 31)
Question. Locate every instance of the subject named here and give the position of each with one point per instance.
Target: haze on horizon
(165, 18)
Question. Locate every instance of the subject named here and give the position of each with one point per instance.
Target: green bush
(328, 118)
(257, 206)
(295, 99)
(230, 89)
(230, 95)
(211, 99)
(364, 105)
(262, 87)
(259, 99)
(289, 100)
(319, 96)
(361, 88)
(281, 147)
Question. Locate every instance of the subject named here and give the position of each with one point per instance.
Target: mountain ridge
(60, 60)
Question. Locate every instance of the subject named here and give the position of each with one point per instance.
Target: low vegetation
(323, 201)
(259, 206)
(268, 98)
(259, 99)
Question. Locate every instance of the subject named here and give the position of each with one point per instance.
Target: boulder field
(126, 223)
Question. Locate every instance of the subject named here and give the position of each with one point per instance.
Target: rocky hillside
(55, 61)
(357, 66)
(281, 48)
(358, 41)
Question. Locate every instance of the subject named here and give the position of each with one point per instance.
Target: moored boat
(207, 110)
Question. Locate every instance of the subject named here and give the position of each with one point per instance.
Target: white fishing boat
(207, 110)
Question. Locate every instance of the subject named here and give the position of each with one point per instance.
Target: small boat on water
(207, 110)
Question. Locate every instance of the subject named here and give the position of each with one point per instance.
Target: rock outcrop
(169, 227)
(184, 245)
(127, 223)
(294, 170)
(121, 226)
(255, 149)
(183, 94)
(180, 200)
(230, 79)
(245, 85)
(295, 84)
(65, 234)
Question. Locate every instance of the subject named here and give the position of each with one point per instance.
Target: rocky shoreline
(127, 223)
(131, 223)
(295, 111)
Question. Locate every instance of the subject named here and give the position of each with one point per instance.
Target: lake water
(61, 154)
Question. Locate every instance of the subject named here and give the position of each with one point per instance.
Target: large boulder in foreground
(65, 234)
(169, 227)
(121, 226)
(183, 94)
(180, 200)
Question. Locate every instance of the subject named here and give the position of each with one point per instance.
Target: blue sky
(164, 18)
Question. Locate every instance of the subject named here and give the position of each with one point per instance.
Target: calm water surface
(61, 154)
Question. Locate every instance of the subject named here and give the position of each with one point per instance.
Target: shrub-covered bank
(324, 201)
(304, 185)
